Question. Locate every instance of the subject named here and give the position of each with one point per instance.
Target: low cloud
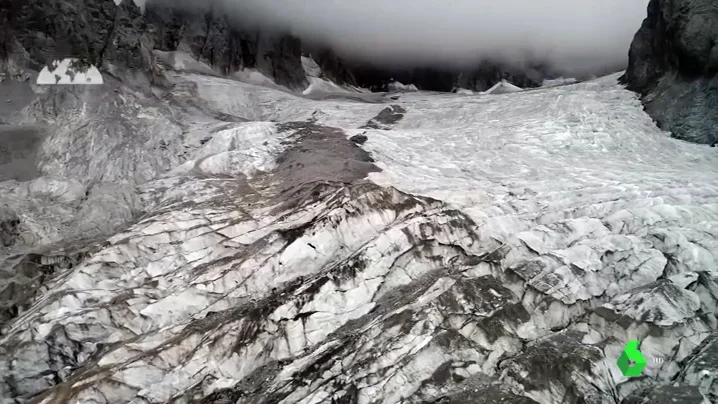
(573, 34)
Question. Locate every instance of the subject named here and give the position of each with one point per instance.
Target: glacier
(222, 241)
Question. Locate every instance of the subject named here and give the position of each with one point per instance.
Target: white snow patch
(183, 62)
(140, 3)
(503, 87)
(253, 76)
(322, 86)
(397, 86)
(311, 68)
(243, 149)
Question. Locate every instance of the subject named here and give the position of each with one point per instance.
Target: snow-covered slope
(426, 248)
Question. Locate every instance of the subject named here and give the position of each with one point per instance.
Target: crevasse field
(470, 248)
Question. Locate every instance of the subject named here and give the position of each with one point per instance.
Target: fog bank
(576, 34)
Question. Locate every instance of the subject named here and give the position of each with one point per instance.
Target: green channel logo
(631, 362)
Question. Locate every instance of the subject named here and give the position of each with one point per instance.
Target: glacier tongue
(235, 243)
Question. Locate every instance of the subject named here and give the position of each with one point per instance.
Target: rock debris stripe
(631, 362)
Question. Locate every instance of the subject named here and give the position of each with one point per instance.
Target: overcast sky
(575, 32)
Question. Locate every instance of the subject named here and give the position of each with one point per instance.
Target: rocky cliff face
(212, 38)
(120, 39)
(674, 66)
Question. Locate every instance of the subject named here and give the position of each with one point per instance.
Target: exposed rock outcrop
(674, 66)
(212, 37)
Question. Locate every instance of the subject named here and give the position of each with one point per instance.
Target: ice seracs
(467, 249)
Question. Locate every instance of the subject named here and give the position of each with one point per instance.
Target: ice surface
(505, 252)
(558, 82)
